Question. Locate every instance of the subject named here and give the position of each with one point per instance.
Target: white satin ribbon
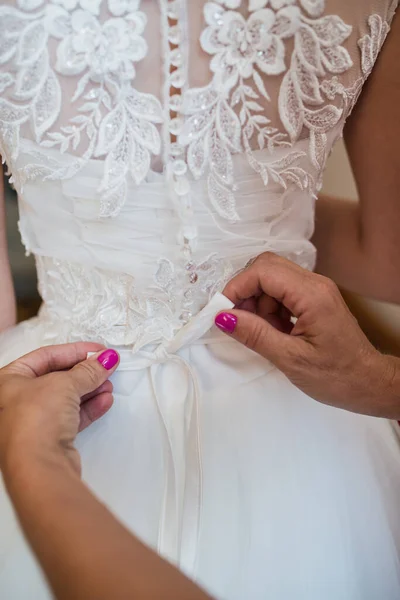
(179, 414)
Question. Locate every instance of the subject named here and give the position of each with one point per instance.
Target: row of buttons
(177, 167)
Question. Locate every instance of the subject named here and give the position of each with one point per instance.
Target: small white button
(175, 125)
(175, 35)
(177, 79)
(176, 58)
(176, 149)
(175, 102)
(185, 316)
(179, 167)
(172, 10)
(182, 186)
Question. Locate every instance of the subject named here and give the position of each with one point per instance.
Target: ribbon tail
(172, 412)
(178, 407)
(194, 486)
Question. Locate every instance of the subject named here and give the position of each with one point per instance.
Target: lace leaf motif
(117, 123)
(370, 46)
(245, 50)
(114, 121)
(109, 306)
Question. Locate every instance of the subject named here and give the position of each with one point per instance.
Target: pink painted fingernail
(108, 359)
(226, 322)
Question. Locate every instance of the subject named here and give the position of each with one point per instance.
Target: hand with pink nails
(322, 350)
(49, 395)
(46, 397)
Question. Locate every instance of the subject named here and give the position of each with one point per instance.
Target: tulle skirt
(258, 492)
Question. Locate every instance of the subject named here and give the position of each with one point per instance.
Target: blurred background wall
(23, 267)
(380, 321)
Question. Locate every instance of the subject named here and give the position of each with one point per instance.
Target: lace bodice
(158, 145)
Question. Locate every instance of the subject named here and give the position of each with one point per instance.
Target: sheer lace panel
(158, 145)
(86, 77)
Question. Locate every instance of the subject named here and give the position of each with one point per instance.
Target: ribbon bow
(178, 407)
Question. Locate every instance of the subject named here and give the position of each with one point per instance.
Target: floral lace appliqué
(229, 115)
(370, 46)
(96, 304)
(247, 41)
(114, 121)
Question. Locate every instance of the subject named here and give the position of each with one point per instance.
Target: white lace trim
(119, 124)
(114, 121)
(95, 304)
(370, 46)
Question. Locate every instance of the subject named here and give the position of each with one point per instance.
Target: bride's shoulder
(117, 81)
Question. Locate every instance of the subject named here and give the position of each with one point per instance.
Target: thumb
(90, 374)
(257, 334)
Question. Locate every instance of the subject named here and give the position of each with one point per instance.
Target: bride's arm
(358, 243)
(7, 296)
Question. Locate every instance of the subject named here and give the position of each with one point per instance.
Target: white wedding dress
(157, 146)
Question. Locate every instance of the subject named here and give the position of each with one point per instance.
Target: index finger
(275, 276)
(54, 358)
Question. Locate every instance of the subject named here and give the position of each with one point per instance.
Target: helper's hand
(49, 395)
(84, 551)
(324, 353)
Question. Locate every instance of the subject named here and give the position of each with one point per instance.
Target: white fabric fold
(178, 407)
